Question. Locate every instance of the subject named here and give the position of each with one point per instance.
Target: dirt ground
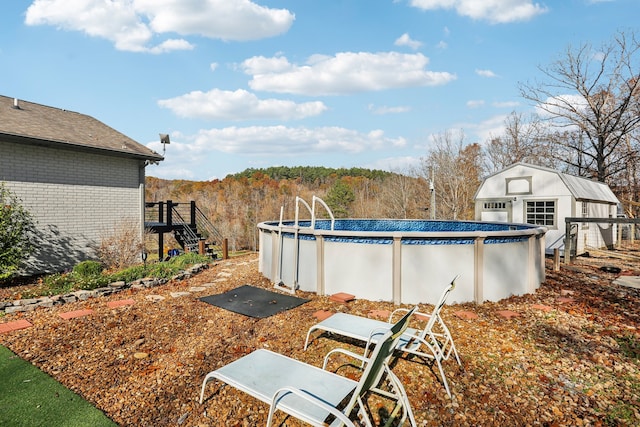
(569, 355)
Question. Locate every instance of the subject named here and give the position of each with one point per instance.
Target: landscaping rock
(29, 304)
(83, 295)
(15, 309)
(118, 285)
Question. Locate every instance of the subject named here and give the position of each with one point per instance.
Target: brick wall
(75, 198)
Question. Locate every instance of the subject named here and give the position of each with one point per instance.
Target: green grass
(31, 398)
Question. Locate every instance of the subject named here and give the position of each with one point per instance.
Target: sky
(240, 84)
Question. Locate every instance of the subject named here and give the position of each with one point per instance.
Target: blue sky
(335, 83)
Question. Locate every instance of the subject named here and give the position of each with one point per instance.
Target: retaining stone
(29, 304)
(118, 285)
(15, 309)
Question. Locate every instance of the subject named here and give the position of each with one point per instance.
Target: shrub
(185, 260)
(122, 246)
(16, 230)
(87, 269)
(130, 274)
(58, 283)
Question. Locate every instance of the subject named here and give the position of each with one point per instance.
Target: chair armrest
(309, 398)
(416, 315)
(360, 357)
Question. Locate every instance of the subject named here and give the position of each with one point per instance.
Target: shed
(78, 177)
(524, 193)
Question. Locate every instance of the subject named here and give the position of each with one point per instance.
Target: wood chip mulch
(569, 356)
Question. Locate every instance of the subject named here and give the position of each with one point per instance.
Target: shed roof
(581, 188)
(39, 124)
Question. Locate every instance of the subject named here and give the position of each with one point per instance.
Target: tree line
(586, 122)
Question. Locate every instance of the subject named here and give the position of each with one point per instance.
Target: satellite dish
(164, 140)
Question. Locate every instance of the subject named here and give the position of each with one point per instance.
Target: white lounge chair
(433, 342)
(314, 395)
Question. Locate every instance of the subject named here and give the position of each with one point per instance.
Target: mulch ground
(566, 355)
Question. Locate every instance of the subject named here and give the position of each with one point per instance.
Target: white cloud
(558, 105)
(487, 128)
(477, 103)
(506, 104)
(289, 142)
(171, 44)
(216, 19)
(132, 24)
(395, 164)
(494, 11)
(486, 73)
(238, 105)
(383, 109)
(344, 73)
(405, 40)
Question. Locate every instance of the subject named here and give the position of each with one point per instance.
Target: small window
(541, 212)
(495, 206)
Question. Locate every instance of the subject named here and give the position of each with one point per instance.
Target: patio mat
(254, 302)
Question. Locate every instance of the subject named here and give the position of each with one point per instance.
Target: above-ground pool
(404, 261)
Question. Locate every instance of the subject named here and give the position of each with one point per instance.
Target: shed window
(541, 212)
(494, 206)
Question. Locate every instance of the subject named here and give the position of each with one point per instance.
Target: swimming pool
(404, 261)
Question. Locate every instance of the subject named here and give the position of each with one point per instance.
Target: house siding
(75, 197)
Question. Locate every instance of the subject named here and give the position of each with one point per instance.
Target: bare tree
(457, 170)
(522, 141)
(403, 196)
(591, 98)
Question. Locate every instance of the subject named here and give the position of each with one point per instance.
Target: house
(78, 178)
(524, 193)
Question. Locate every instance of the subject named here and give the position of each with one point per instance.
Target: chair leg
(455, 352)
(204, 384)
(306, 341)
(444, 378)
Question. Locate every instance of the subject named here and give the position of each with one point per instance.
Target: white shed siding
(75, 197)
(522, 183)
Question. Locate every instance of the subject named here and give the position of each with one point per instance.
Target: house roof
(42, 125)
(581, 188)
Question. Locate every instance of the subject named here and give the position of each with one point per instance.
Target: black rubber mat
(254, 302)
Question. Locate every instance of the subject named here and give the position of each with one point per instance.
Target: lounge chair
(314, 395)
(433, 342)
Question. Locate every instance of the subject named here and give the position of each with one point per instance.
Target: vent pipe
(15, 104)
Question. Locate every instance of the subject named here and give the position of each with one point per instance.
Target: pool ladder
(296, 227)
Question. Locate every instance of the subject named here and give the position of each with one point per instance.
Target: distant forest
(237, 203)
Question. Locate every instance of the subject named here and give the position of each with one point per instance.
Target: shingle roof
(36, 123)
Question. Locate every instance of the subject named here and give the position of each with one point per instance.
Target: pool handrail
(313, 216)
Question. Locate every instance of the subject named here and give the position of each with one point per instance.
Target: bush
(16, 230)
(59, 283)
(122, 246)
(87, 269)
(185, 260)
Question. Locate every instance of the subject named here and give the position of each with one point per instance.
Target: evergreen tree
(339, 199)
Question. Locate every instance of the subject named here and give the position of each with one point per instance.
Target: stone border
(30, 304)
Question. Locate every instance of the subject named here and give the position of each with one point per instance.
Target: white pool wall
(400, 272)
